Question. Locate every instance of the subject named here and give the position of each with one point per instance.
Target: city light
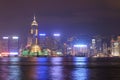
(15, 37)
(5, 37)
(56, 34)
(5, 53)
(93, 41)
(13, 53)
(42, 34)
(80, 45)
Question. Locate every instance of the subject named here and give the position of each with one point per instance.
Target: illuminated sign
(5, 37)
(42, 34)
(56, 34)
(15, 37)
(79, 45)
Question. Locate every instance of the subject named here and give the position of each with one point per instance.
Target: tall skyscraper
(33, 37)
(33, 33)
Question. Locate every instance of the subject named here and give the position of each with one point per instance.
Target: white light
(93, 41)
(58, 53)
(56, 34)
(5, 37)
(15, 37)
(42, 34)
(13, 53)
(116, 43)
(80, 45)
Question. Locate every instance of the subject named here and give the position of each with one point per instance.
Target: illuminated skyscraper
(57, 41)
(42, 40)
(34, 31)
(33, 37)
(115, 46)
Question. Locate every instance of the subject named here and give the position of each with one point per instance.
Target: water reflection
(9, 71)
(56, 61)
(42, 70)
(56, 70)
(80, 72)
(14, 73)
(4, 70)
(80, 61)
(28, 70)
(56, 73)
(14, 70)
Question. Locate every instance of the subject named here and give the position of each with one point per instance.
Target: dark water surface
(59, 68)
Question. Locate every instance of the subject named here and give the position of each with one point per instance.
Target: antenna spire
(34, 23)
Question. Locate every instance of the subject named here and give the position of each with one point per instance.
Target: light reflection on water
(80, 61)
(59, 68)
(9, 72)
(56, 71)
(4, 72)
(41, 71)
(14, 71)
(80, 73)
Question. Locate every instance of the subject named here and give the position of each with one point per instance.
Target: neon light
(78, 45)
(13, 53)
(5, 54)
(15, 37)
(56, 34)
(42, 34)
(5, 37)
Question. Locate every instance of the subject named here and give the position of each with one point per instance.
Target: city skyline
(69, 17)
(60, 39)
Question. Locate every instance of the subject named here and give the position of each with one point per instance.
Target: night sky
(63, 16)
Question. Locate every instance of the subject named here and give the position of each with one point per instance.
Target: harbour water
(59, 68)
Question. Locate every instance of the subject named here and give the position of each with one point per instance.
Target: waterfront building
(49, 42)
(115, 46)
(33, 42)
(42, 40)
(14, 44)
(9, 46)
(40, 44)
(4, 44)
(93, 47)
(33, 34)
(57, 41)
(97, 43)
(80, 50)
